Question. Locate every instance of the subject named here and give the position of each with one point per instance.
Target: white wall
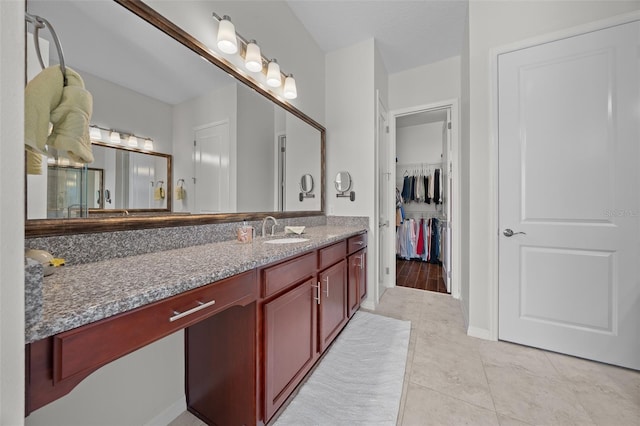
(11, 212)
(255, 151)
(351, 138)
(493, 24)
(303, 157)
(425, 85)
(119, 108)
(350, 127)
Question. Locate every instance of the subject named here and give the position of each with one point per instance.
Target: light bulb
(95, 133)
(290, 90)
(252, 57)
(148, 144)
(227, 41)
(132, 141)
(273, 74)
(114, 137)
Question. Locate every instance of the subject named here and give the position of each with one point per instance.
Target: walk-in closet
(422, 200)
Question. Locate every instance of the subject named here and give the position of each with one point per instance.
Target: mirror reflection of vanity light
(343, 185)
(306, 187)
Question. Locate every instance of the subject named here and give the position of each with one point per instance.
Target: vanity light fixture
(114, 137)
(273, 74)
(132, 141)
(254, 60)
(290, 90)
(252, 57)
(227, 41)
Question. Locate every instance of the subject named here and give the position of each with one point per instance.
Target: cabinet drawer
(281, 276)
(88, 347)
(332, 254)
(357, 242)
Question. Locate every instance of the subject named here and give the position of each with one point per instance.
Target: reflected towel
(34, 161)
(158, 194)
(41, 96)
(71, 118)
(180, 193)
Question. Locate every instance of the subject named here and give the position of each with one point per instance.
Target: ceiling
(408, 34)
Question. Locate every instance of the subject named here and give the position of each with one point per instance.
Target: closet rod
(39, 22)
(418, 164)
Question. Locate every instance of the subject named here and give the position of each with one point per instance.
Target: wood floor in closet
(420, 275)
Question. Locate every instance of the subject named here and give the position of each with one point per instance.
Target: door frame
(494, 189)
(387, 187)
(453, 105)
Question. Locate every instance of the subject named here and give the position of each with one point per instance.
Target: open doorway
(425, 174)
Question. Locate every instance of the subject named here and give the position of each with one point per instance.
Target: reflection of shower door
(282, 171)
(73, 190)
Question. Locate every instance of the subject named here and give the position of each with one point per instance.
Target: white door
(384, 199)
(569, 190)
(211, 168)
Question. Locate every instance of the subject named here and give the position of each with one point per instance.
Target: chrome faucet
(273, 227)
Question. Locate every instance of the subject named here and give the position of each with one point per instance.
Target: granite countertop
(77, 295)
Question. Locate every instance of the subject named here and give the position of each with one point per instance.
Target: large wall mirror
(234, 151)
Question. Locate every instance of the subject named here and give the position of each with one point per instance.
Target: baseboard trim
(169, 414)
(367, 304)
(479, 333)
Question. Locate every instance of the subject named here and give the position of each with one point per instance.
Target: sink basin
(286, 240)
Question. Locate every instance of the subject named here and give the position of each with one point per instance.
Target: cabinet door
(333, 302)
(290, 342)
(362, 278)
(353, 284)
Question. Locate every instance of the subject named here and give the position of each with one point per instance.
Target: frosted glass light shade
(148, 144)
(290, 90)
(252, 57)
(132, 141)
(114, 137)
(227, 41)
(95, 134)
(273, 74)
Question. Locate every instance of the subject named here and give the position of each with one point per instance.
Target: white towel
(69, 108)
(42, 94)
(71, 118)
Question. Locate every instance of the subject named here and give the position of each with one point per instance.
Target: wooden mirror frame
(50, 227)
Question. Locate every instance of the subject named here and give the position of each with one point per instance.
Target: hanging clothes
(406, 188)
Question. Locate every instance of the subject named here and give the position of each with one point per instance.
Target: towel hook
(160, 182)
(39, 22)
(180, 183)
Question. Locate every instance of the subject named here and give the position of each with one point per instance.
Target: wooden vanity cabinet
(333, 302)
(220, 314)
(357, 272)
(290, 342)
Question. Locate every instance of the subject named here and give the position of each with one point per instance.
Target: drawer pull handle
(317, 287)
(327, 279)
(360, 243)
(177, 315)
(362, 261)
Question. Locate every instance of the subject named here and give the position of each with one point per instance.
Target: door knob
(509, 233)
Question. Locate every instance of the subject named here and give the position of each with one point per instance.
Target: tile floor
(453, 379)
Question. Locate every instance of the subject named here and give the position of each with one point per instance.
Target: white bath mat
(359, 381)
